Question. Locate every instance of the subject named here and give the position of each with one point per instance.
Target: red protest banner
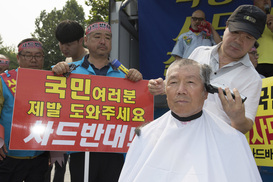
(78, 113)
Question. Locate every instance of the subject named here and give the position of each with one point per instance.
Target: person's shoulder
(188, 32)
(262, 76)
(185, 34)
(251, 73)
(217, 124)
(77, 62)
(205, 48)
(7, 73)
(200, 51)
(80, 62)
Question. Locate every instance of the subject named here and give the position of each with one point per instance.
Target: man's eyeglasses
(254, 53)
(196, 18)
(29, 57)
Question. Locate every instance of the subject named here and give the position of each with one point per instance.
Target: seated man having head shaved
(189, 143)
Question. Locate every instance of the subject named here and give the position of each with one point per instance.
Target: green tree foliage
(46, 24)
(99, 10)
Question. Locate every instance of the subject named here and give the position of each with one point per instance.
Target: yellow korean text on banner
(260, 137)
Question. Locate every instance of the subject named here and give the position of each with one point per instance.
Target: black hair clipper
(213, 89)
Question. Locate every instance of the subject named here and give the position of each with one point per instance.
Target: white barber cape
(205, 149)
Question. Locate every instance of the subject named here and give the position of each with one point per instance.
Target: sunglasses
(195, 19)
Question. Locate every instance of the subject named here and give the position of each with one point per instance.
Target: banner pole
(86, 166)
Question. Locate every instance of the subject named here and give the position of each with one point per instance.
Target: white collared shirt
(240, 74)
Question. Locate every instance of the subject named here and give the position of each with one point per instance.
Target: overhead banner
(260, 137)
(78, 113)
(162, 21)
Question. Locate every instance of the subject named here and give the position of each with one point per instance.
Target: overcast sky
(17, 17)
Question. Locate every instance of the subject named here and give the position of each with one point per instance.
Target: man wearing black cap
(231, 68)
(70, 35)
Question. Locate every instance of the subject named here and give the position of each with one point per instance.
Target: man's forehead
(101, 32)
(242, 32)
(70, 43)
(188, 71)
(198, 14)
(32, 51)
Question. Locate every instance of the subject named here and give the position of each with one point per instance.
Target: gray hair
(205, 69)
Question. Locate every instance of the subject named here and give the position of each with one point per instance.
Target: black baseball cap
(249, 19)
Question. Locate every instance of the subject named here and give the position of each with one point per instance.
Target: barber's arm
(235, 110)
(156, 86)
(215, 35)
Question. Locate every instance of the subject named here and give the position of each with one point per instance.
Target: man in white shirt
(232, 68)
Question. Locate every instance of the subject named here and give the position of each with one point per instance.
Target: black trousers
(103, 167)
(58, 173)
(27, 170)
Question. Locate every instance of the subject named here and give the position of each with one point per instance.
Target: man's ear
(207, 87)
(205, 95)
(81, 40)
